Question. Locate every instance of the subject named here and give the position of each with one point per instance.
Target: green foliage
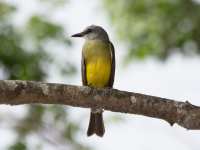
(13, 58)
(22, 52)
(24, 56)
(18, 146)
(156, 27)
(46, 121)
(41, 31)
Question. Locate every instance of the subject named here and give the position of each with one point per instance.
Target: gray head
(93, 33)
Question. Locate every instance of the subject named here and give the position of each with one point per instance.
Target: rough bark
(14, 92)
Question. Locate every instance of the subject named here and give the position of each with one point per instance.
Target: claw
(107, 87)
(90, 85)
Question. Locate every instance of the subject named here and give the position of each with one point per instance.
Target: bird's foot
(107, 87)
(90, 85)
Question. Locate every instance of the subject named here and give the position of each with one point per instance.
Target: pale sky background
(178, 78)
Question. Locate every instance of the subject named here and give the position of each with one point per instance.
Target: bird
(97, 69)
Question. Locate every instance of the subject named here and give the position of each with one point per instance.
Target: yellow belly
(98, 63)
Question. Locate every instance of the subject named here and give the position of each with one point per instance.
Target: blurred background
(157, 46)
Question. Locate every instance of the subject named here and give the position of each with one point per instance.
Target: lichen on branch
(15, 92)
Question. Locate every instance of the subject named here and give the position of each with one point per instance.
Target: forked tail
(96, 125)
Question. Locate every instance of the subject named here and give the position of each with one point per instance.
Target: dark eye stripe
(88, 31)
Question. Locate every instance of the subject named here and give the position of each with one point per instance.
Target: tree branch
(15, 92)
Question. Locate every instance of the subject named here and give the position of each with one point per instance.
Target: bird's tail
(96, 125)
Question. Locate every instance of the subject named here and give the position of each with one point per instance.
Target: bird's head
(93, 32)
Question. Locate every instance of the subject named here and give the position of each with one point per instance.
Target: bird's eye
(89, 30)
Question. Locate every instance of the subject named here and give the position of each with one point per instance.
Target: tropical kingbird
(97, 68)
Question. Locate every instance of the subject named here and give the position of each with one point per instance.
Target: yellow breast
(98, 62)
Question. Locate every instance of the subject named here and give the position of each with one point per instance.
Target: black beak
(78, 35)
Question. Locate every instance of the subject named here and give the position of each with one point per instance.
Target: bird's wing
(112, 75)
(83, 70)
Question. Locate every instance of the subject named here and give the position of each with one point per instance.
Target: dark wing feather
(83, 70)
(112, 75)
